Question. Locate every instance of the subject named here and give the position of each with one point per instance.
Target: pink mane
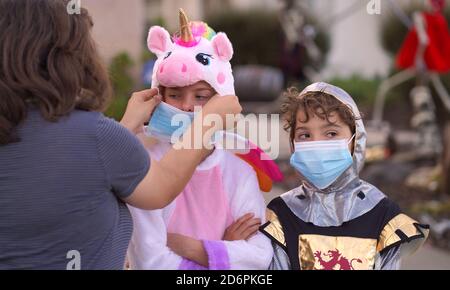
(198, 31)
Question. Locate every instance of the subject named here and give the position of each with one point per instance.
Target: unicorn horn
(186, 33)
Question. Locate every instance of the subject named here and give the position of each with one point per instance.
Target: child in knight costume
(214, 222)
(334, 220)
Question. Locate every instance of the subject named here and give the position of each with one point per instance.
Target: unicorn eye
(203, 58)
(168, 55)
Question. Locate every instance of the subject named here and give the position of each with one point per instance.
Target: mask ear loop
(352, 139)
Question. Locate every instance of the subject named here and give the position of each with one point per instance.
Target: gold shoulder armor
(273, 228)
(403, 230)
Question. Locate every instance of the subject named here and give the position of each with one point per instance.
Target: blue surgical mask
(322, 162)
(169, 123)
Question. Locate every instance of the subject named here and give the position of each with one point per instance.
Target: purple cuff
(217, 255)
(190, 265)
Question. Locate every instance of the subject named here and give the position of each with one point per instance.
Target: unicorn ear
(158, 40)
(222, 46)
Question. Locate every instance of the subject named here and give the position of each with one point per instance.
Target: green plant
(146, 54)
(362, 90)
(122, 84)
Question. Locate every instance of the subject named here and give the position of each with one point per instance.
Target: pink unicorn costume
(224, 186)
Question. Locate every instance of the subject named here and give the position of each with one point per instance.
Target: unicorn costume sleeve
(147, 249)
(245, 197)
(224, 187)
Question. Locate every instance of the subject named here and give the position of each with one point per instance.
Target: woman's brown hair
(48, 60)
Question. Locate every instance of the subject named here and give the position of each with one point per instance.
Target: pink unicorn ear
(158, 40)
(222, 46)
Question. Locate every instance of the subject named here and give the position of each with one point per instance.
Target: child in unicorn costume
(225, 187)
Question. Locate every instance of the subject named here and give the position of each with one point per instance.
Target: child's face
(186, 98)
(317, 129)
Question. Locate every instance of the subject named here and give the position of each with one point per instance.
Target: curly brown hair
(48, 60)
(319, 104)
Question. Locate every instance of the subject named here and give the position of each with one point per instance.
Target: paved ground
(428, 258)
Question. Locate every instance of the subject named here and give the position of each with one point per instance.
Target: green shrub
(122, 83)
(362, 90)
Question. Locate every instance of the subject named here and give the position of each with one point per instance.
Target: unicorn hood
(196, 53)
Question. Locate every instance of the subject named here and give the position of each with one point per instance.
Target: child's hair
(49, 60)
(319, 104)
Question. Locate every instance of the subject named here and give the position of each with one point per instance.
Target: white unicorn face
(198, 55)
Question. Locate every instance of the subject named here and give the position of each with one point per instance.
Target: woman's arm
(167, 178)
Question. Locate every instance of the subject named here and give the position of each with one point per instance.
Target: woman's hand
(188, 248)
(242, 229)
(167, 178)
(139, 109)
(223, 106)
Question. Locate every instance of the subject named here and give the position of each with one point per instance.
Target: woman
(66, 171)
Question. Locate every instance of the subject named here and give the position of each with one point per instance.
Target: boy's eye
(304, 136)
(203, 58)
(173, 96)
(331, 134)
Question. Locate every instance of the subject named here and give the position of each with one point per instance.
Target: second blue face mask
(169, 123)
(322, 162)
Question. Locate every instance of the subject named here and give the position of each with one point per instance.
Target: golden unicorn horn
(186, 33)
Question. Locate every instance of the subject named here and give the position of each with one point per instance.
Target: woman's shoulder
(100, 129)
(83, 116)
(77, 125)
(75, 121)
(97, 123)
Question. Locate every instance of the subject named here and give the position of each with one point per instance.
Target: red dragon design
(335, 259)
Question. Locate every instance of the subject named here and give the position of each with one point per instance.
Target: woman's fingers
(149, 98)
(227, 107)
(145, 95)
(139, 109)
